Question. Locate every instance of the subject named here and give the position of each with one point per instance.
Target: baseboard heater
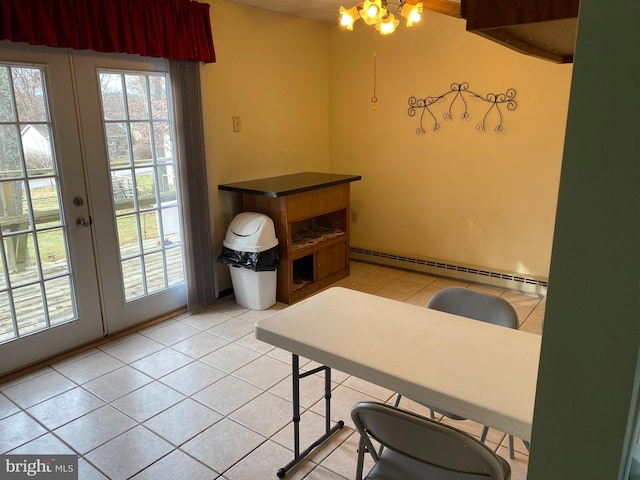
(511, 281)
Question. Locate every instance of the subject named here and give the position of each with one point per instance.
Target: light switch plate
(236, 124)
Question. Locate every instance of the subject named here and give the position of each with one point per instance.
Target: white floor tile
(229, 306)
(342, 401)
(128, 454)
(118, 383)
(321, 473)
(206, 318)
(38, 389)
(230, 358)
(65, 407)
(17, 430)
(90, 367)
(134, 348)
(7, 407)
(222, 445)
(183, 421)
(250, 341)
(227, 395)
(192, 378)
(375, 391)
(311, 389)
(161, 363)
(26, 377)
(265, 461)
(264, 372)
(172, 333)
(147, 401)
(95, 428)
(343, 460)
(200, 345)
(86, 471)
(232, 329)
(47, 443)
(265, 414)
(312, 426)
(175, 466)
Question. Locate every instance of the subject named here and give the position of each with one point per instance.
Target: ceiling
(322, 10)
(545, 29)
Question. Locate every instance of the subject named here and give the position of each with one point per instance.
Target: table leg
(329, 431)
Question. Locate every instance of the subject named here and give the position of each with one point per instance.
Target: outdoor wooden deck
(28, 302)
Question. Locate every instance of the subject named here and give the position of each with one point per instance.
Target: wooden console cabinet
(310, 212)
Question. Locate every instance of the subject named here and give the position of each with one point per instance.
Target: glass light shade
(348, 17)
(372, 11)
(413, 13)
(387, 25)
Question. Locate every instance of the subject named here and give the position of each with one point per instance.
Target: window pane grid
(31, 217)
(136, 117)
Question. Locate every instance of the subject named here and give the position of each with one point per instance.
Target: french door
(89, 209)
(125, 114)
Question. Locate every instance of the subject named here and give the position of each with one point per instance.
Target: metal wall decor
(462, 94)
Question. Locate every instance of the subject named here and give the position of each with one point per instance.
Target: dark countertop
(289, 184)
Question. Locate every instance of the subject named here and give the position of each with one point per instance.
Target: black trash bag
(266, 261)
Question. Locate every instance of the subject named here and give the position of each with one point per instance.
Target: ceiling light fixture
(377, 13)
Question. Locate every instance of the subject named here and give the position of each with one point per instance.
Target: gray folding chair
(477, 306)
(418, 448)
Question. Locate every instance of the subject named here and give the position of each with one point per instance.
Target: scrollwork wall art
(460, 93)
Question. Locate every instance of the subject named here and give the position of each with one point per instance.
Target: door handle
(83, 222)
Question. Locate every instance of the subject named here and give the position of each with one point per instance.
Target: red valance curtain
(173, 29)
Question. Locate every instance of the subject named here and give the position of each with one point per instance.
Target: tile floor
(198, 397)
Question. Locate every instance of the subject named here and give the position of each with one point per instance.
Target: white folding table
(479, 371)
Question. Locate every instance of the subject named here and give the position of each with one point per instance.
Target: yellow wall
(273, 72)
(483, 199)
(302, 90)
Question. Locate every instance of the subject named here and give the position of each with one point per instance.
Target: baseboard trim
(507, 280)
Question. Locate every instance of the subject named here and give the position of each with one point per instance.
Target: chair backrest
(479, 306)
(427, 441)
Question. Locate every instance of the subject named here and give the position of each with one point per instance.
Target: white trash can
(250, 249)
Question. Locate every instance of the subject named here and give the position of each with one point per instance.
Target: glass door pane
(126, 110)
(36, 282)
(49, 297)
(137, 129)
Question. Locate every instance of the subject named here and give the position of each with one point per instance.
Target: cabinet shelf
(313, 236)
(303, 271)
(310, 213)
